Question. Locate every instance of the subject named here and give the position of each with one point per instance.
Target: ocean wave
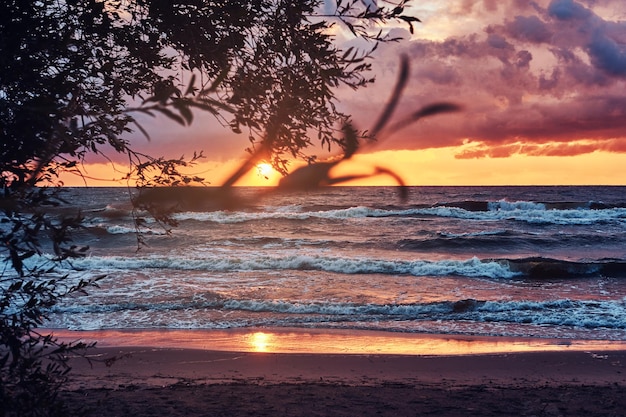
(497, 232)
(117, 229)
(532, 214)
(507, 205)
(538, 267)
(284, 213)
(473, 267)
(509, 240)
(559, 213)
(493, 268)
(560, 312)
(528, 212)
(588, 314)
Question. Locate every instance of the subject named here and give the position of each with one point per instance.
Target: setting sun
(265, 170)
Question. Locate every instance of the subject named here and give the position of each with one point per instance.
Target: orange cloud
(579, 147)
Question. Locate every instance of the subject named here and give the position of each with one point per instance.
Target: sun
(265, 170)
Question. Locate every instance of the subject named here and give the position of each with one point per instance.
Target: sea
(546, 262)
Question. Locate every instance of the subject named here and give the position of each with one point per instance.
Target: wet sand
(166, 373)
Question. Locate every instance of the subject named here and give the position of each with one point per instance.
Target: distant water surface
(503, 261)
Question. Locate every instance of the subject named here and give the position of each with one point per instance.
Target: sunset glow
(541, 85)
(423, 167)
(265, 170)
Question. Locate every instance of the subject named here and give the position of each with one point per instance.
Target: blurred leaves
(317, 174)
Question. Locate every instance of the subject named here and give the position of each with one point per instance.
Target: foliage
(33, 365)
(75, 75)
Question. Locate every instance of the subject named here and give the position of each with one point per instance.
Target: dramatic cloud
(535, 78)
(568, 10)
(608, 55)
(529, 28)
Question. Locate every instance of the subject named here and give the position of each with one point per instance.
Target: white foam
(583, 315)
(473, 267)
(533, 216)
(504, 205)
(501, 210)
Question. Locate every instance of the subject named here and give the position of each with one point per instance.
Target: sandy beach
(230, 376)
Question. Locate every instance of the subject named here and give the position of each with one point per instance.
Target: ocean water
(500, 261)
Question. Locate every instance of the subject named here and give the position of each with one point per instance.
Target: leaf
(145, 133)
(403, 76)
(351, 27)
(436, 108)
(184, 110)
(207, 102)
(15, 286)
(151, 99)
(409, 19)
(348, 51)
(234, 126)
(205, 107)
(190, 88)
(170, 114)
(217, 81)
(428, 110)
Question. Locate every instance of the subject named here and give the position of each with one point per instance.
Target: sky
(542, 85)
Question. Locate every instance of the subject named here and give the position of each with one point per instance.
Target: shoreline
(295, 355)
(141, 373)
(330, 341)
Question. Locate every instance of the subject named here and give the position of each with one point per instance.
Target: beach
(158, 379)
(459, 301)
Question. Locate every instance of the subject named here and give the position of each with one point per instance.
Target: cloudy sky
(542, 84)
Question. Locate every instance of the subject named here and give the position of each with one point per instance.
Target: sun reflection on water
(260, 342)
(333, 342)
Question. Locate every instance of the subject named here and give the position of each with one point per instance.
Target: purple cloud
(568, 10)
(530, 29)
(539, 83)
(608, 55)
(534, 77)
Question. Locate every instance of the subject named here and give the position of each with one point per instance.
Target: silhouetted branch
(317, 174)
(395, 97)
(429, 110)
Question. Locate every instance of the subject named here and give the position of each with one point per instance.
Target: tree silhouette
(74, 77)
(74, 74)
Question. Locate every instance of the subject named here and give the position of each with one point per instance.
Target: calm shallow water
(506, 261)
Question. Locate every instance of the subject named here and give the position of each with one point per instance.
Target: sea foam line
(534, 213)
(473, 267)
(560, 312)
